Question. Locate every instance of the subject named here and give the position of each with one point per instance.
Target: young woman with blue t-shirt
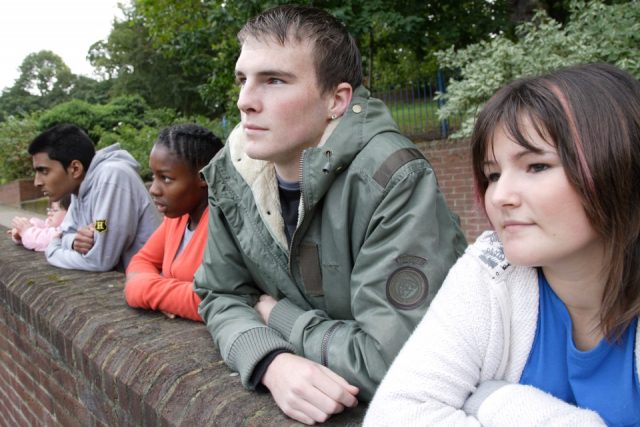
(537, 323)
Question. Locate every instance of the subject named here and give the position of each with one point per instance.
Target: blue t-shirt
(603, 379)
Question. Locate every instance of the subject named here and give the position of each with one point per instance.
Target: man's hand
(264, 306)
(84, 240)
(307, 391)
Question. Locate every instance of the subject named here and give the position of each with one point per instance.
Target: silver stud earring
(333, 117)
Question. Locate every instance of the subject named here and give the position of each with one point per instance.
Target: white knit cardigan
(464, 341)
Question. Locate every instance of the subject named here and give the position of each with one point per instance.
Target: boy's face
(282, 109)
(51, 178)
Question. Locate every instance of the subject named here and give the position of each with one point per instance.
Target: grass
(418, 119)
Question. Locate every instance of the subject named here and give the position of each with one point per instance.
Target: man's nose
(248, 99)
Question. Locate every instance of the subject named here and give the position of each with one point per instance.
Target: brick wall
(73, 354)
(451, 161)
(14, 192)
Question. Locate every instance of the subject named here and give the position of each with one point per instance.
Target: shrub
(15, 135)
(127, 120)
(595, 33)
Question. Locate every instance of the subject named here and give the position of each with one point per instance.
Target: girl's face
(55, 214)
(532, 206)
(176, 188)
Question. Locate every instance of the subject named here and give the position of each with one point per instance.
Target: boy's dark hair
(64, 143)
(194, 144)
(591, 115)
(336, 56)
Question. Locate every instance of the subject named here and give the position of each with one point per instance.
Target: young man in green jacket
(328, 233)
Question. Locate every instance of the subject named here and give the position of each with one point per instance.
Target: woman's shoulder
(488, 252)
(484, 264)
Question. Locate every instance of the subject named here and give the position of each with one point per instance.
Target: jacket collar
(343, 139)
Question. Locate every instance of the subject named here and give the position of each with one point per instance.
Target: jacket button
(357, 109)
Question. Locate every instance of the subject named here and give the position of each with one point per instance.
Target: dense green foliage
(15, 135)
(595, 32)
(169, 62)
(135, 66)
(397, 39)
(127, 120)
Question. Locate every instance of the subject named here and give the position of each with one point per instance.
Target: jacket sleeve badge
(407, 286)
(100, 225)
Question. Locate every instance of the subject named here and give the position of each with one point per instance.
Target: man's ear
(340, 100)
(76, 169)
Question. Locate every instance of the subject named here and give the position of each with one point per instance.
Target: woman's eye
(538, 167)
(493, 177)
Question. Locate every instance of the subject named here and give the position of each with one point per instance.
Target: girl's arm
(148, 288)
(152, 291)
(38, 236)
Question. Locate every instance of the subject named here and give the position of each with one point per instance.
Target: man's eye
(275, 81)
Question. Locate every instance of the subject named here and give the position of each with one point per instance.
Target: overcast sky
(66, 27)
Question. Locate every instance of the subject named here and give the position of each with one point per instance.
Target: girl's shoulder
(485, 264)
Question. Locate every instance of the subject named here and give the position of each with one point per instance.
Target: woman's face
(176, 188)
(532, 206)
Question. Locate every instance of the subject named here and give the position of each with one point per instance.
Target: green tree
(138, 66)
(595, 32)
(45, 74)
(397, 39)
(201, 36)
(43, 81)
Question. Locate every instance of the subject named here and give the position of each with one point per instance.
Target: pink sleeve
(38, 236)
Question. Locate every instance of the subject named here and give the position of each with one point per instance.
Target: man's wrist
(260, 370)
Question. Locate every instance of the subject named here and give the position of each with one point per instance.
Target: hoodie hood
(112, 154)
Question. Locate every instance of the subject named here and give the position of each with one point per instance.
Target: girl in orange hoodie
(160, 275)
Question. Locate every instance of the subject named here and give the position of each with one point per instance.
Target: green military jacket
(373, 244)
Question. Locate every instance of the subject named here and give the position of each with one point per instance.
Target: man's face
(280, 103)
(51, 178)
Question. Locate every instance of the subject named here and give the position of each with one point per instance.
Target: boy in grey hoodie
(111, 214)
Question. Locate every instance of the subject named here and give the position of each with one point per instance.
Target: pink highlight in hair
(575, 136)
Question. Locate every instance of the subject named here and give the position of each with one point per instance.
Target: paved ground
(8, 212)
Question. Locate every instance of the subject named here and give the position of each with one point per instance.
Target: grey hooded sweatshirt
(114, 199)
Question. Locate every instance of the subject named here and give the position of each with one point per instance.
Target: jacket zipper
(301, 208)
(324, 348)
